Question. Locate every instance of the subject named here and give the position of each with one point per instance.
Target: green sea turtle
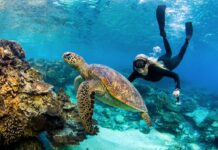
(107, 85)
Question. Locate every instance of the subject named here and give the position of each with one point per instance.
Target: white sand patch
(108, 139)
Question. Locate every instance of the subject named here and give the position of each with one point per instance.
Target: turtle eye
(67, 55)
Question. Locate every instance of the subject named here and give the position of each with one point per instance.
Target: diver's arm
(176, 79)
(168, 73)
(176, 92)
(133, 76)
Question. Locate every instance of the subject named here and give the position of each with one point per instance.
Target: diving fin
(188, 30)
(160, 15)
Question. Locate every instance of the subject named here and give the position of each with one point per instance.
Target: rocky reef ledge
(29, 106)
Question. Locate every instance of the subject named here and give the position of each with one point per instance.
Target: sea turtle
(105, 84)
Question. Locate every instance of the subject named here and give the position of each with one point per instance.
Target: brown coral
(73, 131)
(18, 107)
(27, 104)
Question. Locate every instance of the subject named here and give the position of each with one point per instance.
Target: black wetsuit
(156, 73)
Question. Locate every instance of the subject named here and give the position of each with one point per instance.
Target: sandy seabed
(109, 139)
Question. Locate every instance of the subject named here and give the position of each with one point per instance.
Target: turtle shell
(118, 86)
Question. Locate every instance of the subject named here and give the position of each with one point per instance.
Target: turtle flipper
(85, 96)
(147, 118)
(77, 81)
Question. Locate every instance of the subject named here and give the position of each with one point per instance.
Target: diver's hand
(176, 93)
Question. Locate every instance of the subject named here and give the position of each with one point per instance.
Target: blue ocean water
(112, 32)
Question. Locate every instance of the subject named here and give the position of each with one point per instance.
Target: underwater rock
(143, 127)
(172, 117)
(188, 134)
(215, 124)
(189, 104)
(29, 144)
(213, 115)
(216, 141)
(28, 105)
(194, 146)
(119, 119)
(10, 49)
(54, 72)
(116, 118)
(17, 108)
(198, 115)
(144, 90)
(169, 122)
(25, 144)
(72, 131)
(208, 138)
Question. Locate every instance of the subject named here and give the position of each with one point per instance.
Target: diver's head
(141, 64)
(141, 56)
(73, 59)
(140, 61)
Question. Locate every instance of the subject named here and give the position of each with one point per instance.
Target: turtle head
(76, 62)
(73, 60)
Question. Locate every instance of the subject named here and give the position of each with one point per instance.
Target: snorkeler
(152, 69)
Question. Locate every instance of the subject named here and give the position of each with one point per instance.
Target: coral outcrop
(28, 105)
(72, 131)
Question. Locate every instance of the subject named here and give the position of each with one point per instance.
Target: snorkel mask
(140, 61)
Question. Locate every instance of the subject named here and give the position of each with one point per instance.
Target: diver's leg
(183, 50)
(168, 53)
(175, 61)
(160, 15)
(188, 30)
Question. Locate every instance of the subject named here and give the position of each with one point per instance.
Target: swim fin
(160, 15)
(188, 30)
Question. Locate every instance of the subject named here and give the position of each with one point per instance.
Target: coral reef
(29, 106)
(25, 144)
(54, 72)
(198, 115)
(72, 131)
